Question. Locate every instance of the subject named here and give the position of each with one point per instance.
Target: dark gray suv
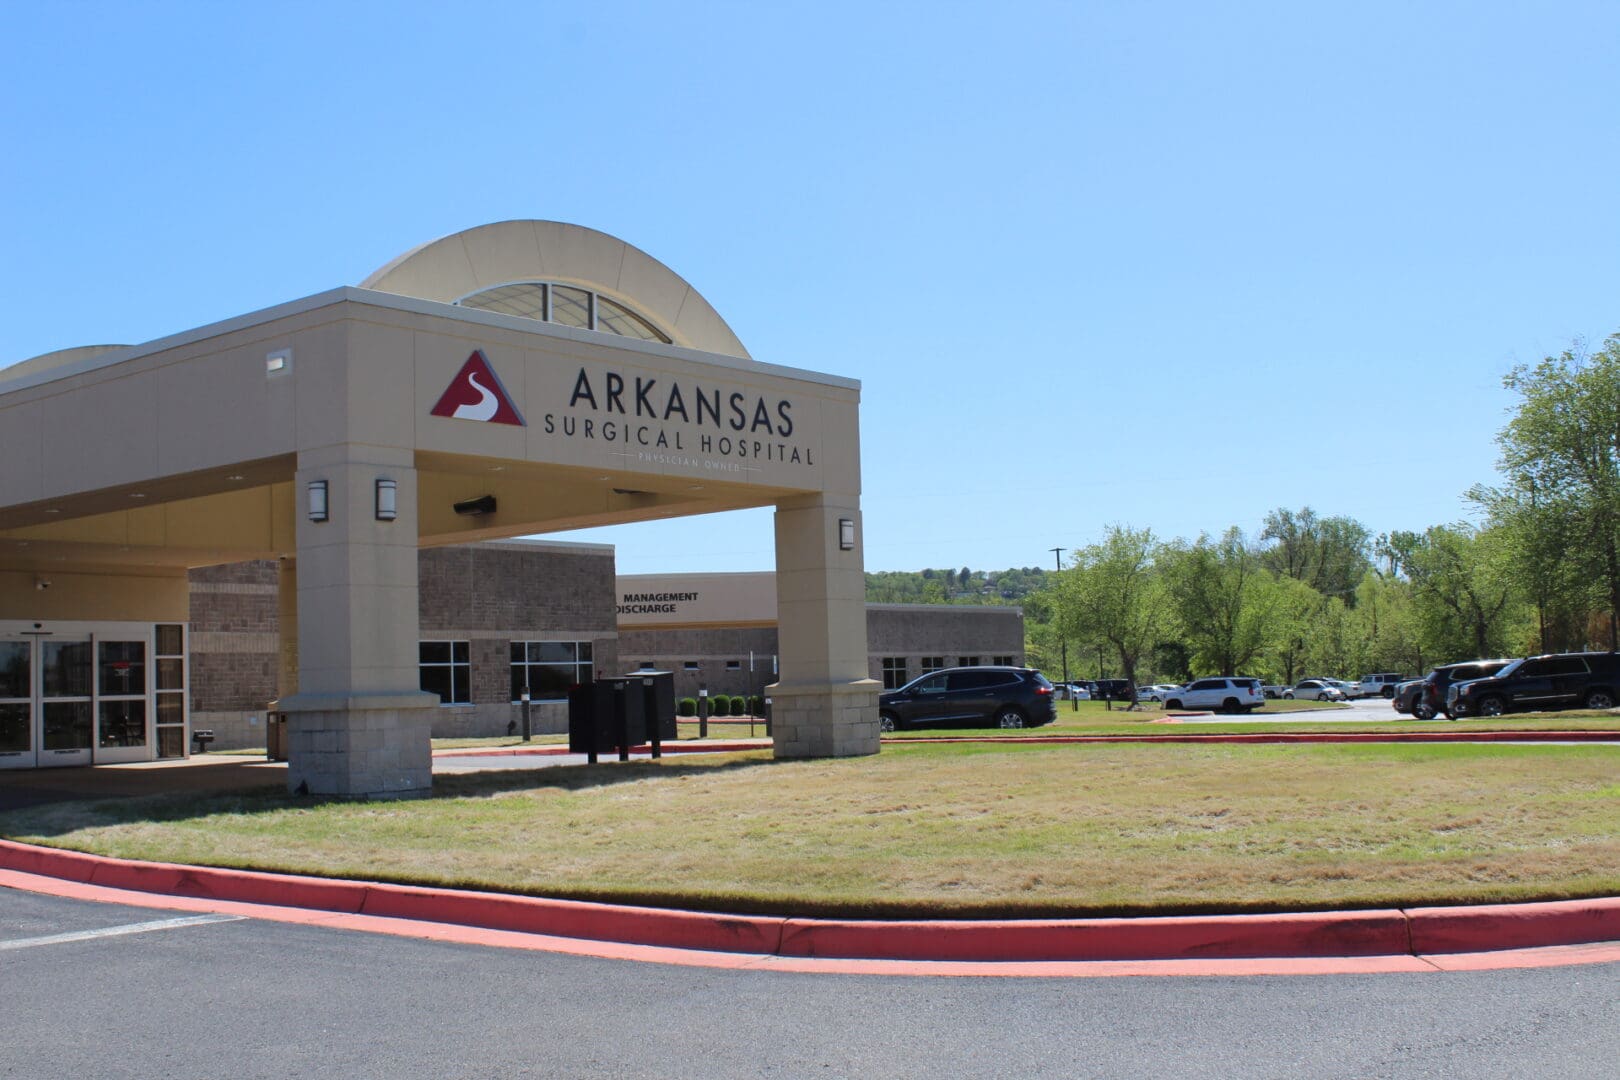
(1007, 697)
(1556, 681)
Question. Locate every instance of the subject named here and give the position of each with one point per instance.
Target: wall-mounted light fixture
(846, 534)
(387, 500)
(317, 500)
(278, 362)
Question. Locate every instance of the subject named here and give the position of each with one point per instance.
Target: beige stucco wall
(655, 601)
(160, 595)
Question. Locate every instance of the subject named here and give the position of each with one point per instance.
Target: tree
(1112, 594)
(1222, 598)
(1462, 589)
(1564, 441)
(1328, 554)
(1543, 552)
(1296, 609)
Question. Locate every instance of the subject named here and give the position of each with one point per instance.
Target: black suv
(1429, 698)
(1006, 697)
(1557, 681)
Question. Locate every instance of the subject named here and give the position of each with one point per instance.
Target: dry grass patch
(936, 830)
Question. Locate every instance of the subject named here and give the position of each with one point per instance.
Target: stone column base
(372, 746)
(838, 720)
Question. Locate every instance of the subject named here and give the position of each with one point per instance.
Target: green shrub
(687, 706)
(719, 705)
(739, 706)
(756, 705)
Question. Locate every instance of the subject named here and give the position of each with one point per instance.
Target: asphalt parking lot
(104, 990)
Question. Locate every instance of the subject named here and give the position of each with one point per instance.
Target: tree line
(1537, 571)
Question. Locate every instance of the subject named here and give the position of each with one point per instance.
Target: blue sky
(1165, 264)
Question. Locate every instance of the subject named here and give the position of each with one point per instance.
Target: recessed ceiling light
(236, 477)
(497, 468)
(52, 510)
(137, 495)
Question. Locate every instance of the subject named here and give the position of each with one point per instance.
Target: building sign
(664, 420)
(476, 393)
(697, 599)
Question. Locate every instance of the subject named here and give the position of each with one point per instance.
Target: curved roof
(453, 266)
(59, 358)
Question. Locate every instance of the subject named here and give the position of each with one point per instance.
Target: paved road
(248, 999)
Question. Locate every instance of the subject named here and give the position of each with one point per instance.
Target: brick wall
(488, 595)
(233, 637)
(947, 631)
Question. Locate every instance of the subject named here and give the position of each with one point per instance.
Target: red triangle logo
(476, 393)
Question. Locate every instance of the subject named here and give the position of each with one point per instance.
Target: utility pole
(1074, 703)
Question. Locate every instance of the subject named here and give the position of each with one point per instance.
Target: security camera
(41, 584)
(484, 504)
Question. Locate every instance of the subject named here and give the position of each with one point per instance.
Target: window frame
(449, 666)
(581, 666)
(895, 672)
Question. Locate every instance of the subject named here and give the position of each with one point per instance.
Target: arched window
(565, 305)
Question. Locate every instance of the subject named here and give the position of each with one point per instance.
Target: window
(446, 670)
(894, 672)
(690, 665)
(967, 661)
(970, 680)
(566, 305)
(549, 668)
(1002, 661)
(932, 664)
(170, 648)
(733, 665)
(647, 665)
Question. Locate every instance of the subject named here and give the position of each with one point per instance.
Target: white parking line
(116, 931)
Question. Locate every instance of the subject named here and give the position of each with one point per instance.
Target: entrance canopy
(518, 378)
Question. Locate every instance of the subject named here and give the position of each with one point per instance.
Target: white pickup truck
(1379, 685)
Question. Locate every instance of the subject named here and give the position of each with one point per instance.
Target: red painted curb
(1391, 932)
(1282, 737)
(579, 919)
(1336, 933)
(609, 755)
(1514, 926)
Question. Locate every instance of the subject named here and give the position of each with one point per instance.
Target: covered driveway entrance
(520, 378)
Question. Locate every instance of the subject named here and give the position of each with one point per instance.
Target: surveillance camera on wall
(484, 504)
(41, 584)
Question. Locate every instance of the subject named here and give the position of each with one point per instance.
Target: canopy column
(823, 703)
(359, 725)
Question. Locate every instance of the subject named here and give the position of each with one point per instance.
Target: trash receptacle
(660, 696)
(599, 711)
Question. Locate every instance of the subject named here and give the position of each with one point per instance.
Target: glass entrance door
(67, 718)
(16, 703)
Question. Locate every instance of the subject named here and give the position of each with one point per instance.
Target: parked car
(1273, 691)
(1348, 689)
(1313, 690)
(1007, 697)
(1431, 699)
(1156, 691)
(1110, 689)
(1406, 694)
(1383, 683)
(1554, 681)
(1073, 692)
(1228, 695)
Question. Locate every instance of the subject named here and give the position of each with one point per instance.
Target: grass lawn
(939, 829)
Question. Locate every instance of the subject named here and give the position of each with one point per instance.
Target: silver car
(1313, 690)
